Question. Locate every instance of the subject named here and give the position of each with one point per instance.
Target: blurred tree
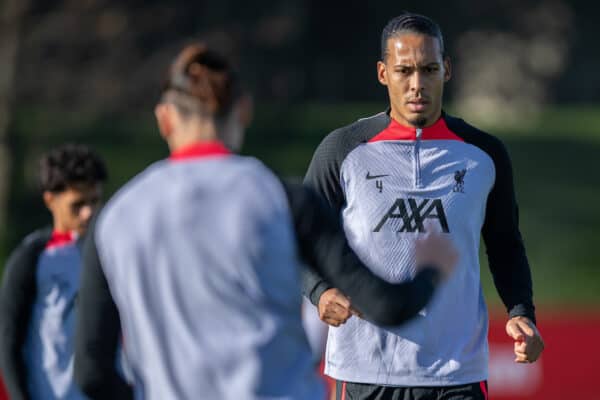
(11, 12)
(504, 76)
(107, 55)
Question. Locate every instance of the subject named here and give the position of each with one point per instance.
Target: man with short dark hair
(41, 280)
(394, 177)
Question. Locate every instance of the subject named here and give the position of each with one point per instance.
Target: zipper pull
(418, 158)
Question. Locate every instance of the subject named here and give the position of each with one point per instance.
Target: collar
(61, 239)
(200, 149)
(395, 131)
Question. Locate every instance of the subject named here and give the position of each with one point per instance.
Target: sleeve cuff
(523, 310)
(318, 290)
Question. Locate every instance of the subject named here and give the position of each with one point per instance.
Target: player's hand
(436, 250)
(528, 341)
(334, 307)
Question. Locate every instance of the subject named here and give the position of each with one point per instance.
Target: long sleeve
(98, 332)
(324, 248)
(505, 249)
(16, 301)
(323, 177)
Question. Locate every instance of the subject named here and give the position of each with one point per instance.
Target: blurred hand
(334, 307)
(436, 250)
(528, 341)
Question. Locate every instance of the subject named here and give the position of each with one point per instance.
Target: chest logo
(369, 176)
(378, 182)
(459, 178)
(413, 215)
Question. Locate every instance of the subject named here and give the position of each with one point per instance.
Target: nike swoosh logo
(369, 176)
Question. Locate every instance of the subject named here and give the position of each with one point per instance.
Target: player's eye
(75, 207)
(78, 205)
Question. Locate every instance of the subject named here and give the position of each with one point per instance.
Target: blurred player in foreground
(200, 255)
(41, 281)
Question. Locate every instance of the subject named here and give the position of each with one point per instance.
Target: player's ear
(48, 198)
(447, 69)
(382, 73)
(164, 119)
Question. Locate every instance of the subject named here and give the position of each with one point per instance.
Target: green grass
(555, 162)
(558, 187)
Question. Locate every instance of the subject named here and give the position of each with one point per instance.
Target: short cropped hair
(410, 22)
(70, 164)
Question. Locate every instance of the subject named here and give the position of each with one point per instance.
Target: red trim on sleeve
(200, 149)
(437, 131)
(483, 387)
(61, 239)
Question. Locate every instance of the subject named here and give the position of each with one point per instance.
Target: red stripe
(437, 131)
(200, 149)
(483, 390)
(343, 391)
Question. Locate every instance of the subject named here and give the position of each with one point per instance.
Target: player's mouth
(417, 105)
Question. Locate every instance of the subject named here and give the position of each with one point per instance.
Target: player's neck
(198, 132)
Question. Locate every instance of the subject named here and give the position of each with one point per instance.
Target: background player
(41, 280)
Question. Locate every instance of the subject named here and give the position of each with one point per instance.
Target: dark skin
(414, 71)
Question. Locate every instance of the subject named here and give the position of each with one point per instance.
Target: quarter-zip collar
(437, 131)
(397, 132)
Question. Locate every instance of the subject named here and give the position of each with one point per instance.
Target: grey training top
(321, 245)
(391, 184)
(200, 258)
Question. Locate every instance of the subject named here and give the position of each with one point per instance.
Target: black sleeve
(504, 245)
(324, 248)
(16, 301)
(98, 332)
(323, 173)
(323, 176)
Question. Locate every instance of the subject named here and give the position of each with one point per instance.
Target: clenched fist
(335, 308)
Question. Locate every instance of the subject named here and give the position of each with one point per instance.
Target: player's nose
(417, 82)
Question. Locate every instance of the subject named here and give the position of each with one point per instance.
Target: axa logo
(413, 213)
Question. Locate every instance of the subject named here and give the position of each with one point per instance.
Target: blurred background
(90, 70)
